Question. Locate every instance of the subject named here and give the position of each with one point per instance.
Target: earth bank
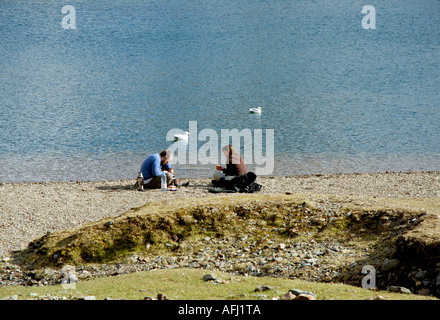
(316, 238)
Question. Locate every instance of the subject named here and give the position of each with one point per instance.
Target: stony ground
(30, 210)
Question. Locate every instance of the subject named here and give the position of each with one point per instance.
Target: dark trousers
(155, 182)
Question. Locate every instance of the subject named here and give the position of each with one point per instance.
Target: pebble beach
(30, 210)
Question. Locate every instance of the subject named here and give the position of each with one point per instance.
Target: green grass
(188, 284)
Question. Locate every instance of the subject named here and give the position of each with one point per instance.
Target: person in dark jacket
(235, 165)
(235, 177)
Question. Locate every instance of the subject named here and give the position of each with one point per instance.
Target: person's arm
(156, 167)
(230, 170)
(168, 167)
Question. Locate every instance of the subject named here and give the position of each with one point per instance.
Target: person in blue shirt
(153, 166)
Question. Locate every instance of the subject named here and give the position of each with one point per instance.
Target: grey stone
(311, 260)
(262, 288)
(389, 264)
(319, 252)
(399, 289)
(437, 281)
(210, 276)
(250, 268)
(424, 292)
(297, 292)
(304, 264)
(288, 296)
(163, 296)
(88, 298)
(421, 275)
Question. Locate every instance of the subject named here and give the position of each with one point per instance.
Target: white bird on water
(181, 137)
(255, 110)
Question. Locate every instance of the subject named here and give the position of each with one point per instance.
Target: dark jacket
(235, 167)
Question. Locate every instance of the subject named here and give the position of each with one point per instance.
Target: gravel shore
(30, 210)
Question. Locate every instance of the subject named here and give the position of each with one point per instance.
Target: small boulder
(209, 277)
(288, 296)
(399, 289)
(421, 275)
(262, 288)
(297, 292)
(389, 264)
(162, 296)
(304, 296)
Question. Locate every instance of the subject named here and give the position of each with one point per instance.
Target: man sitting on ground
(153, 166)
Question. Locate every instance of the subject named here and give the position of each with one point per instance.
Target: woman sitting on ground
(235, 165)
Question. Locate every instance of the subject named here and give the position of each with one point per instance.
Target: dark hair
(167, 154)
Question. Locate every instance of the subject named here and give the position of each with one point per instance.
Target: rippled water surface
(93, 102)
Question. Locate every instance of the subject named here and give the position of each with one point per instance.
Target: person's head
(165, 156)
(230, 152)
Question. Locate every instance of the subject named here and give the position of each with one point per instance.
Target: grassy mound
(166, 226)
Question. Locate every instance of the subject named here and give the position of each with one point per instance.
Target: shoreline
(29, 210)
(306, 175)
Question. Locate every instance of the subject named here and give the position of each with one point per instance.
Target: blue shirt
(151, 167)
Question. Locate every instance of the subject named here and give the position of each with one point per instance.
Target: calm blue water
(92, 103)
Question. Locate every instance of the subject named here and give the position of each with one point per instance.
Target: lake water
(91, 103)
